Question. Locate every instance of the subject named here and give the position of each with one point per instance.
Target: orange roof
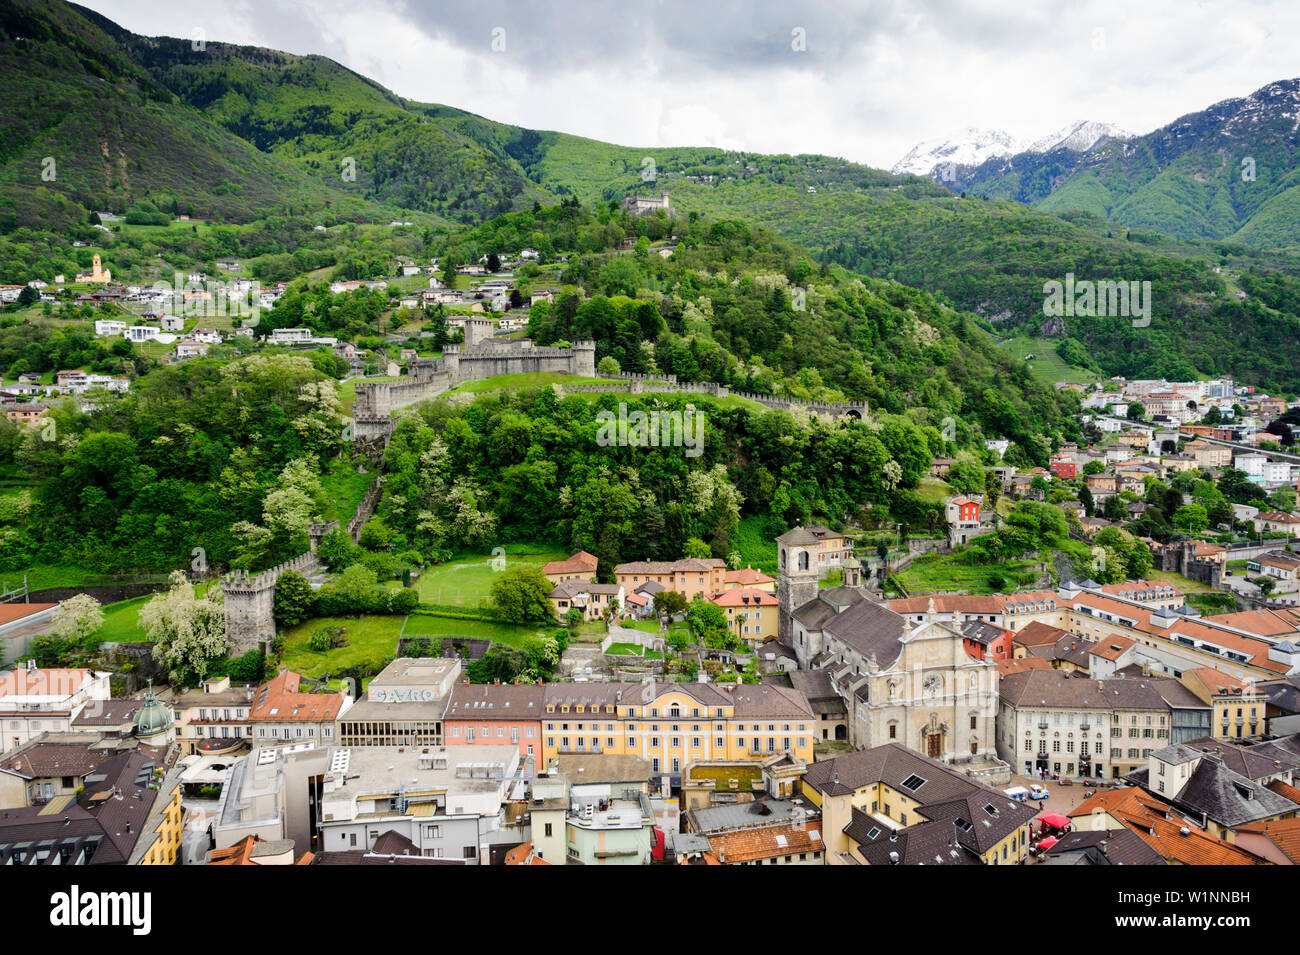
(1255, 650)
(578, 563)
(12, 612)
(962, 603)
(1008, 667)
(767, 842)
(241, 853)
(523, 855)
(279, 699)
(1174, 838)
(1111, 648)
(1283, 833)
(1266, 623)
(736, 598)
(1129, 586)
(1039, 634)
(1285, 790)
(747, 576)
(1217, 682)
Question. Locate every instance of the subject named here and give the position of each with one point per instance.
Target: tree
(1213, 416)
(708, 623)
(696, 548)
(1085, 498)
(521, 594)
(295, 601)
(1114, 509)
(1136, 411)
(76, 618)
(188, 632)
(336, 550)
(1191, 518)
(670, 602)
(1094, 467)
(28, 296)
(1266, 584)
(608, 366)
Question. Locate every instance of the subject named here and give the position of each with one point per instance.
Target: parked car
(1018, 793)
(1037, 792)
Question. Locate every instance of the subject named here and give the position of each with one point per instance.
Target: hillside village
(696, 711)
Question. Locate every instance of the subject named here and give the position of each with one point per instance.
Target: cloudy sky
(864, 80)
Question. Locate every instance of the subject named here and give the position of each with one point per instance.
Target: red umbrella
(1055, 820)
(1048, 843)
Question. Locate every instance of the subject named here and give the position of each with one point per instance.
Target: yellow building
(673, 724)
(752, 615)
(1238, 705)
(160, 842)
(892, 806)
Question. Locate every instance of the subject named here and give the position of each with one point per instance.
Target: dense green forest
(529, 466)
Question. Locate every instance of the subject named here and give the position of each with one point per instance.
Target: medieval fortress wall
(480, 357)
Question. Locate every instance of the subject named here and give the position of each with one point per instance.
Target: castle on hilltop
(479, 357)
(646, 205)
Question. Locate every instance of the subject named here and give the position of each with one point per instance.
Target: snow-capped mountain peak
(967, 147)
(1079, 137)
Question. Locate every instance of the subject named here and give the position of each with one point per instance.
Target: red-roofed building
(752, 615)
(748, 577)
(580, 566)
(282, 711)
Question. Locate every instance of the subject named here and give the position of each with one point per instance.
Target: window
(913, 782)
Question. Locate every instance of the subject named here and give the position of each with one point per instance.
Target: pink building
(497, 715)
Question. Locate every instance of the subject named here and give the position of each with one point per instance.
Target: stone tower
(796, 577)
(584, 359)
(477, 330)
(250, 621)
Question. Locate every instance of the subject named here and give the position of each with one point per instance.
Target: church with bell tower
(902, 681)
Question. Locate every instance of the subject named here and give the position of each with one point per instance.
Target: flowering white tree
(76, 618)
(188, 631)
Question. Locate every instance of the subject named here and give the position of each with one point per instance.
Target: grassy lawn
(933, 490)
(632, 650)
(430, 625)
(747, 777)
(951, 572)
(464, 580)
(44, 576)
(645, 626)
(345, 488)
(1046, 363)
(121, 622)
(1182, 583)
(371, 640)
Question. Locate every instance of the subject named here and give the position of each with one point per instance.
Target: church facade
(902, 681)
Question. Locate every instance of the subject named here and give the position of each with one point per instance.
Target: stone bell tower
(796, 577)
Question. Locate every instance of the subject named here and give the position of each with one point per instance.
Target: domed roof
(153, 718)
